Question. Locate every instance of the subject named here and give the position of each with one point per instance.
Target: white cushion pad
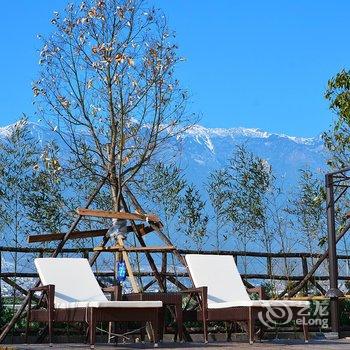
(73, 279)
(285, 303)
(107, 304)
(76, 285)
(225, 286)
(219, 273)
(259, 303)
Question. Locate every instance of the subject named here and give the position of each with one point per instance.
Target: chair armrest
(202, 292)
(41, 288)
(48, 290)
(193, 290)
(259, 290)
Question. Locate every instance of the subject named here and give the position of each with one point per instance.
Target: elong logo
(282, 315)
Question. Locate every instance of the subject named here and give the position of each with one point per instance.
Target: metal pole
(333, 293)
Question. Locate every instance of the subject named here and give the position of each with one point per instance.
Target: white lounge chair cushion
(260, 303)
(219, 273)
(112, 304)
(225, 286)
(76, 285)
(73, 279)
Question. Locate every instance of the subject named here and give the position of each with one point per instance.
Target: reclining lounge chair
(223, 296)
(74, 295)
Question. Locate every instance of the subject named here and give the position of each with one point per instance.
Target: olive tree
(337, 139)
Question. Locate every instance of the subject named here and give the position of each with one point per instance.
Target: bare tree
(107, 86)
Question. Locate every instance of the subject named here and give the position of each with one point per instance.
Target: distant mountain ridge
(201, 131)
(205, 149)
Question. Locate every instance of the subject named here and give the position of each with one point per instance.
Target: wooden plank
(181, 274)
(182, 251)
(46, 251)
(48, 237)
(118, 215)
(118, 248)
(135, 286)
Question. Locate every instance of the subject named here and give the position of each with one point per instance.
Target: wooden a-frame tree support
(139, 230)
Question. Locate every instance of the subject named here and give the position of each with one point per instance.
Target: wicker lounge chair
(74, 295)
(223, 296)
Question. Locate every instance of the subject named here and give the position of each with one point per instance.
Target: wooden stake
(132, 279)
(57, 236)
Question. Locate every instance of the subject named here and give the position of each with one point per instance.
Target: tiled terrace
(341, 344)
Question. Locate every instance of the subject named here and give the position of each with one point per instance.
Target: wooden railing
(178, 278)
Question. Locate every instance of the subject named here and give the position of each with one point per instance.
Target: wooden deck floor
(341, 344)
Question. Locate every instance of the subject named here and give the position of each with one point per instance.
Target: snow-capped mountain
(205, 149)
(38, 132)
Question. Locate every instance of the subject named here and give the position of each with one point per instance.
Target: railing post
(333, 293)
(305, 272)
(269, 266)
(164, 269)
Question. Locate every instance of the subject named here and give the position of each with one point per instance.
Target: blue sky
(262, 64)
